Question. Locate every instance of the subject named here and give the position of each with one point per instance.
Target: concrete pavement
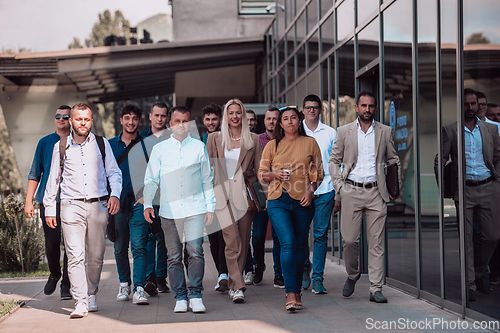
(263, 310)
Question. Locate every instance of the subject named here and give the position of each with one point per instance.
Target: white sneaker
(123, 292)
(140, 296)
(238, 297)
(80, 311)
(181, 306)
(92, 303)
(249, 278)
(196, 304)
(231, 293)
(222, 282)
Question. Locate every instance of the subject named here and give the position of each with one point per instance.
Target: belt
(364, 185)
(103, 198)
(473, 183)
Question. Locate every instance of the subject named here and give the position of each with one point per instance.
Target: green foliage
(10, 179)
(477, 38)
(7, 306)
(75, 44)
(10, 50)
(107, 25)
(32, 240)
(107, 114)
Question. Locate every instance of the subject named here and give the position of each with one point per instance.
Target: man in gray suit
(482, 170)
(363, 147)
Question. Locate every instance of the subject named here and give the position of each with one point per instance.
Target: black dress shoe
(65, 294)
(150, 288)
(50, 286)
(378, 297)
(482, 285)
(472, 295)
(348, 287)
(162, 286)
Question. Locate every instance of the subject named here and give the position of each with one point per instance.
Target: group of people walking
(158, 191)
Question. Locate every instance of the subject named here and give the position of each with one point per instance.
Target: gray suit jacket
(491, 148)
(345, 152)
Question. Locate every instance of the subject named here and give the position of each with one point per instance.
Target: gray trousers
(355, 201)
(84, 229)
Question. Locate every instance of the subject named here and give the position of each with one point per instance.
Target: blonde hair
(246, 138)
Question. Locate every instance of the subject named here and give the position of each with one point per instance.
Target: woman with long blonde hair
(234, 151)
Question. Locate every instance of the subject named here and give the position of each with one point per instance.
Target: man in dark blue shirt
(157, 251)
(129, 221)
(37, 177)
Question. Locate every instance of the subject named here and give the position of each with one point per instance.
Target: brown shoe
(298, 304)
(291, 302)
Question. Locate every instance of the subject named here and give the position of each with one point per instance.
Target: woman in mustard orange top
(292, 165)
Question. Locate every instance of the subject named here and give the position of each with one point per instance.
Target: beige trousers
(355, 201)
(84, 229)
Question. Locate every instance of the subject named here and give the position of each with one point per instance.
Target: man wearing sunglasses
(38, 178)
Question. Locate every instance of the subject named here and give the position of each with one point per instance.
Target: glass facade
(416, 56)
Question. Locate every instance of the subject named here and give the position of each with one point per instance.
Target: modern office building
(416, 56)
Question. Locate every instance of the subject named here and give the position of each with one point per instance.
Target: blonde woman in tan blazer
(234, 151)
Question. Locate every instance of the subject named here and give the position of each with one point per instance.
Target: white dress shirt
(325, 136)
(83, 176)
(365, 171)
(231, 158)
(183, 172)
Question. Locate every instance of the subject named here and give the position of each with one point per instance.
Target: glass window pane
(345, 19)
(365, 9)
(312, 16)
(368, 45)
(313, 51)
(429, 146)
(290, 39)
(347, 113)
(398, 107)
(301, 27)
(482, 73)
(327, 35)
(326, 5)
(301, 60)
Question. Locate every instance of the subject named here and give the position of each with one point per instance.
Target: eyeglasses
(312, 107)
(64, 116)
(483, 105)
(288, 108)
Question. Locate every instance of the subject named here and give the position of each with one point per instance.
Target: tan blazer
(345, 152)
(234, 189)
(491, 148)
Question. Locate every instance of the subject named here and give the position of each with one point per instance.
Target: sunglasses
(288, 108)
(64, 116)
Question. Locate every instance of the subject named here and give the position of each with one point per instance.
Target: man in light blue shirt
(482, 169)
(323, 196)
(181, 167)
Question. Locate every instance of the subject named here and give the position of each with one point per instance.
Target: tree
(10, 50)
(108, 25)
(75, 44)
(477, 38)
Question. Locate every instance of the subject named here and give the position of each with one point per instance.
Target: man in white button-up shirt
(325, 136)
(181, 167)
(85, 203)
(364, 147)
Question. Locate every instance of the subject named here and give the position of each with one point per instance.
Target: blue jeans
(175, 230)
(157, 253)
(133, 228)
(291, 222)
(323, 205)
(259, 241)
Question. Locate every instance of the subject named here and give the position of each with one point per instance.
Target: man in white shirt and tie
(85, 203)
(181, 167)
(363, 147)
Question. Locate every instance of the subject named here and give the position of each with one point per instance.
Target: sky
(50, 25)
